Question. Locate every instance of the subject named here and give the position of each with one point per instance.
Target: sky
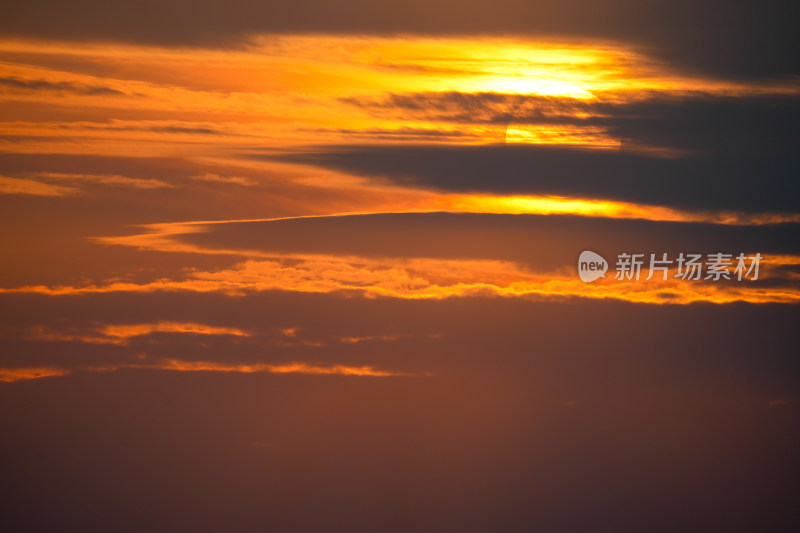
(321, 266)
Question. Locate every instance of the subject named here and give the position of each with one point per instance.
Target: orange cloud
(292, 90)
(134, 330)
(165, 237)
(32, 187)
(107, 179)
(10, 375)
(422, 278)
(237, 180)
(120, 334)
(552, 205)
(356, 340)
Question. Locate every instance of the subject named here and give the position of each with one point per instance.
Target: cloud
(236, 180)
(10, 375)
(37, 187)
(121, 334)
(422, 278)
(105, 179)
(33, 188)
(680, 120)
(126, 331)
(425, 256)
(251, 237)
(183, 129)
(758, 180)
(60, 86)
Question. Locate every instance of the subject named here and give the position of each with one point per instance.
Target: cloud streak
(59, 87)
(104, 179)
(10, 375)
(421, 278)
(30, 187)
(121, 334)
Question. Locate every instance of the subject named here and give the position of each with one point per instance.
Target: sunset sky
(314, 266)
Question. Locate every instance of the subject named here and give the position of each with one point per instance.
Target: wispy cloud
(236, 180)
(58, 87)
(122, 334)
(10, 375)
(32, 187)
(105, 179)
(50, 183)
